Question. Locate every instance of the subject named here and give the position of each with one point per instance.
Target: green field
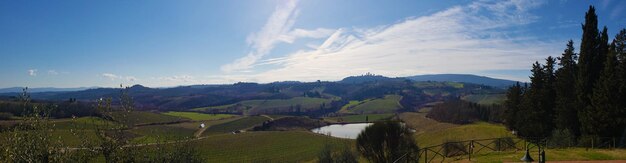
(141, 117)
(425, 84)
(82, 123)
(151, 134)
(239, 124)
(359, 118)
(282, 146)
(480, 130)
(388, 104)
(485, 99)
(199, 116)
(303, 102)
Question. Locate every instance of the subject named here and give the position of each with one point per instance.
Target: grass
(570, 154)
(427, 84)
(235, 125)
(479, 130)
(359, 118)
(304, 102)
(199, 116)
(485, 99)
(388, 104)
(287, 146)
(421, 124)
(141, 117)
(153, 133)
(82, 123)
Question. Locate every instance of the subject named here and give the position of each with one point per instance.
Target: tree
(387, 141)
(590, 64)
(566, 113)
(602, 117)
(512, 105)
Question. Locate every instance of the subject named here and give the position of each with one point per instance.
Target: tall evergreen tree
(513, 101)
(566, 113)
(602, 117)
(588, 69)
(548, 94)
(536, 120)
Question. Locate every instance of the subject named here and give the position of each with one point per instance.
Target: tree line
(463, 112)
(583, 94)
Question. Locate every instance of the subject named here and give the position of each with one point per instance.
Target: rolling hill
(465, 78)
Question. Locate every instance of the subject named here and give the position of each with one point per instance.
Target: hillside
(465, 78)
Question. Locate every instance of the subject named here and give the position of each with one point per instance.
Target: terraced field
(485, 99)
(388, 104)
(359, 118)
(304, 103)
(239, 124)
(140, 117)
(199, 116)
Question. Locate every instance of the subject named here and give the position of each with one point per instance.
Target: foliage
(462, 112)
(453, 148)
(199, 116)
(387, 141)
(5, 116)
(345, 155)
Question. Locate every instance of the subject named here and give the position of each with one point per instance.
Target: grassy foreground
(292, 146)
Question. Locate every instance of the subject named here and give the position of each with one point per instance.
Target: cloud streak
(32, 72)
(474, 38)
(277, 29)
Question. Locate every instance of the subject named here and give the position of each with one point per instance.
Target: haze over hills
(465, 78)
(43, 89)
(236, 97)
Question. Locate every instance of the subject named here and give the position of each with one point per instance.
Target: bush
(387, 142)
(453, 148)
(346, 155)
(502, 144)
(561, 139)
(5, 116)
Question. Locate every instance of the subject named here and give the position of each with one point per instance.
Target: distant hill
(43, 89)
(364, 79)
(465, 78)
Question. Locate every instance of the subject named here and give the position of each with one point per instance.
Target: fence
(459, 150)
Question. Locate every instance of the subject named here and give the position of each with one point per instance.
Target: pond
(348, 131)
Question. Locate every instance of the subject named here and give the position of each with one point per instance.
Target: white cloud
(53, 72)
(32, 72)
(474, 38)
(278, 28)
(110, 76)
(131, 78)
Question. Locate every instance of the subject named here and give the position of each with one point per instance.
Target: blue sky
(168, 43)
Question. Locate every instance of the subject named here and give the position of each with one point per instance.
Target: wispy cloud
(53, 72)
(114, 77)
(32, 72)
(110, 76)
(278, 28)
(461, 39)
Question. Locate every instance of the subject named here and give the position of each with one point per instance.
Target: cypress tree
(548, 94)
(566, 113)
(533, 118)
(602, 117)
(513, 101)
(587, 68)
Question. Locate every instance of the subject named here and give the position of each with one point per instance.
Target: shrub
(453, 148)
(502, 144)
(5, 116)
(561, 139)
(387, 141)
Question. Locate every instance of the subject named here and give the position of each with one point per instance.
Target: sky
(163, 43)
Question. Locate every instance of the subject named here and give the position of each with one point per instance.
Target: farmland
(387, 104)
(199, 116)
